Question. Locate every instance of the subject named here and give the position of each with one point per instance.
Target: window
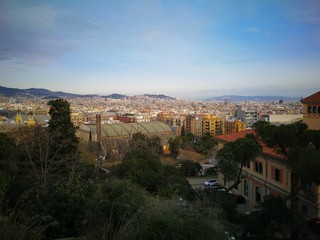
(306, 186)
(258, 167)
(258, 194)
(277, 175)
(318, 109)
(314, 109)
(246, 188)
(309, 109)
(247, 164)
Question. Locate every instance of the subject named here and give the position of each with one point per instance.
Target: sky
(181, 48)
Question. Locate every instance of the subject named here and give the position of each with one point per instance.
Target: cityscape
(159, 119)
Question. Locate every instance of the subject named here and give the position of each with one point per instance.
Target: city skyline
(178, 48)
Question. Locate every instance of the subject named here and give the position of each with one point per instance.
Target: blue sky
(181, 48)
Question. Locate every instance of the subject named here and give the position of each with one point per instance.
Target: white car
(211, 182)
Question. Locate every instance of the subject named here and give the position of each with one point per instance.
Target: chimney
(98, 127)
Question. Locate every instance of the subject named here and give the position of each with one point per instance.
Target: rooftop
(231, 137)
(312, 99)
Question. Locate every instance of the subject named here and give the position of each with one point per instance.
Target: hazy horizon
(184, 49)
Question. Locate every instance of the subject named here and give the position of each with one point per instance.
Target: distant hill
(161, 96)
(37, 92)
(47, 94)
(234, 98)
(115, 96)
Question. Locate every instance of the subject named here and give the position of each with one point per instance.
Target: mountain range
(47, 94)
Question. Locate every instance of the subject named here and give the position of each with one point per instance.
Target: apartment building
(172, 119)
(234, 125)
(269, 174)
(212, 125)
(249, 116)
(194, 125)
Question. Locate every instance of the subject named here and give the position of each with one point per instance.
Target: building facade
(233, 126)
(249, 116)
(311, 111)
(269, 174)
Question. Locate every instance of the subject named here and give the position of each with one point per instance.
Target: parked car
(210, 183)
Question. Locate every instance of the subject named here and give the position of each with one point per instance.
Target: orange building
(311, 111)
(269, 174)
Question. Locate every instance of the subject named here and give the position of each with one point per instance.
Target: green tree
(174, 146)
(64, 143)
(300, 148)
(61, 128)
(205, 144)
(190, 168)
(234, 155)
(141, 143)
(7, 163)
(142, 168)
(174, 184)
(270, 217)
(113, 207)
(167, 221)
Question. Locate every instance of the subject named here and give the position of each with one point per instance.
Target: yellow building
(19, 119)
(212, 124)
(311, 111)
(234, 126)
(269, 174)
(30, 119)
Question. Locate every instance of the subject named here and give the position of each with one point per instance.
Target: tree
(234, 155)
(300, 148)
(205, 144)
(190, 168)
(141, 143)
(63, 133)
(61, 128)
(7, 162)
(268, 218)
(174, 146)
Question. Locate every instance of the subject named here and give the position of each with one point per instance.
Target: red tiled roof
(231, 137)
(312, 99)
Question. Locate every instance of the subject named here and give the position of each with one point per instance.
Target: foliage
(174, 184)
(269, 217)
(112, 207)
(10, 229)
(142, 168)
(141, 143)
(174, 146)
(167, 221)
(7, 164)
(224, 203)
(211, 171)
(190, 168)
(300, 148)
(205, 144)
(61, 208)
(234, 155)
(61, 128)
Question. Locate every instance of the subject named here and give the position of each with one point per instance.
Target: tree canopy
(299, 146)
(234, 155)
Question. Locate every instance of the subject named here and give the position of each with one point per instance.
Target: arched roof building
(114, 138)
(126, 130)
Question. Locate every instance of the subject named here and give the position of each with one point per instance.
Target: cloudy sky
(182, 48)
